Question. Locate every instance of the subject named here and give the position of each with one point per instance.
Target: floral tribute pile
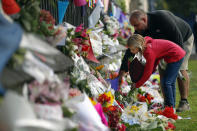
(90, 97)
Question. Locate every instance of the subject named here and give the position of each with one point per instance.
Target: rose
(79, 28)
(170, 126)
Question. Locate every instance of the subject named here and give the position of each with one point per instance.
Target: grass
(184, 124)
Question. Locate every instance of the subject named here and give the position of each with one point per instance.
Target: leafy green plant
(29, 14)
(35, 20)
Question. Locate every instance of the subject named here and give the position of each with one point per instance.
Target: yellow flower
(93, 102)
(157, 77)
(134, 109)
(109, 94)
(99, 67)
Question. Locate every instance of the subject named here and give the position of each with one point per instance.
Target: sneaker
(183, 106)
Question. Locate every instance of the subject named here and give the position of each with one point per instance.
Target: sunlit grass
(189, 125)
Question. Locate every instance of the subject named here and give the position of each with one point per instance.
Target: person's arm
(148, 69)
(124, 65)
(170, 28)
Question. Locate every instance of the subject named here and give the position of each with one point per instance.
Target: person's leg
(168, 82)
(161, 73)
(161, 68)
(183, 84)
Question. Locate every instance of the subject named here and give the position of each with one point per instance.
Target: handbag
(136, 70)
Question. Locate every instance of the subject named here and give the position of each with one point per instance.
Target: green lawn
(189, 125)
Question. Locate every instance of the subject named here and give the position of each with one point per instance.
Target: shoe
(183, 106)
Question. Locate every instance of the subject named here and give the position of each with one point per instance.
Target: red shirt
(157, 49)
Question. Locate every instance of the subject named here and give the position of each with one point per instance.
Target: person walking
(162, 24)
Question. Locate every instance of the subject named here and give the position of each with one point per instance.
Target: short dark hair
(137, 14)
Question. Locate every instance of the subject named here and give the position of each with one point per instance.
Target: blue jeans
(168, 82)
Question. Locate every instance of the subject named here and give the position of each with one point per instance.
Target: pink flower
(79, 28)
(77, 40)
(84, 34)
(74, 92)
(115, 35)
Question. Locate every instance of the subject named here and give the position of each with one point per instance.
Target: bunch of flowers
(112, 26)
(48, 92)
(134, 109)
(170, 127)
(106, 99)
(113, 75)
(114, 113)
(145, 98)
(167, 112)
(46, 23)
(142, 96)
(74, 92)
(78, 41)
(124, 95)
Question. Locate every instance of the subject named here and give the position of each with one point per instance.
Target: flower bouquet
(78, 41)
(46, 23)
(48, 98)
(167, 112)
(111, 26)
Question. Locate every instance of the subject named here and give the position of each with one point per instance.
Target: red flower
(77, 40)
(105, 109)
(114, 113)
(168, 112)
(141, 98)
(85, 47)
(170, 126)
(103, 99)
(147, 98)
(121, 127)
(79, 28)
(113, 75)
(121, 105)
(84, 34)
(112, 108)
(116, 35)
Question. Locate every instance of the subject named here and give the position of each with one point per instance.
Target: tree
(183, 7)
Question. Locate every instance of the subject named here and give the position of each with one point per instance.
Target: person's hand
(120, 77)
(120, 80)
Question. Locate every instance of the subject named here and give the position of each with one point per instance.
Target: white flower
(75, 47)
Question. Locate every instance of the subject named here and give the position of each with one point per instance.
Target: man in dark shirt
(164, 25)
(195, 32)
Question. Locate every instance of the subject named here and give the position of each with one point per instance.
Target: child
(154, 50)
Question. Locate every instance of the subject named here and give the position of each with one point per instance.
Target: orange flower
(113, 75)
(99, 67)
